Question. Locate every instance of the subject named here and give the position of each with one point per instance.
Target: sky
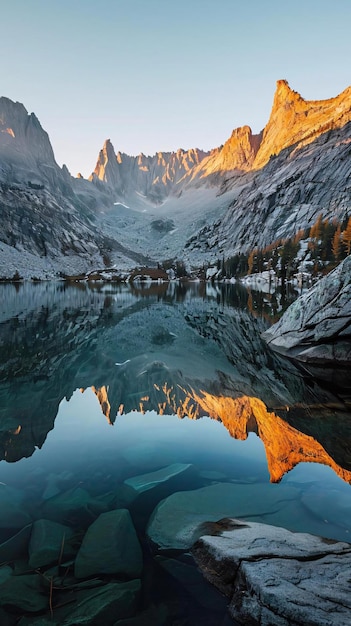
(158, 75)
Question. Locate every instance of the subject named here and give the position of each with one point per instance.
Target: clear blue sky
(159, 74)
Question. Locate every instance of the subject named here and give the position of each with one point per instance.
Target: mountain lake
(112, 399)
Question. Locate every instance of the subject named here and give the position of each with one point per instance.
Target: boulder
(316, 328)
(49, 542)
(75, 507)
(276, 577)
(106, 605)
(178, 521)
(13, 513)
(17, 546)
(24, 593)
(110, 546)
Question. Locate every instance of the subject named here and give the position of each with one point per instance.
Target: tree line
(327, 243)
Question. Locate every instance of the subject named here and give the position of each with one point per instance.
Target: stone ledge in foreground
(275, 577)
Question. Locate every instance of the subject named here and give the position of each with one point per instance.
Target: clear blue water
(100, 385)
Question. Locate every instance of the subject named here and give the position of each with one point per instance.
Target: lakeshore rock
(178, 521)
(24, 592)
(276, 577)
(316, 328)
(106, 605)
(74, 507)
(110, 546)
(47, 541)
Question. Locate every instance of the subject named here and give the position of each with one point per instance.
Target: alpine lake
(115, 398)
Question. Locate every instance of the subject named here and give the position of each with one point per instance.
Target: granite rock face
(278, 578)
(316, 328)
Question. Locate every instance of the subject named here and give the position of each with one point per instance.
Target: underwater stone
(46, 542)
(74, 507)
(106, 605)
(177, 522)
(25, 593)
(110, 546)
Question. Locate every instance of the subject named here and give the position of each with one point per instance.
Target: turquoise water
(99, 386)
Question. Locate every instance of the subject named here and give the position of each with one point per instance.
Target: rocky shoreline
(316, 328)
(75, 557)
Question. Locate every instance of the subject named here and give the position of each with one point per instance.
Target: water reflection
(186, 351)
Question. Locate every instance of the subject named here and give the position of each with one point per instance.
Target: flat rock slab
(110, 546)
(154, 480)
(177, 522)
(278, 578)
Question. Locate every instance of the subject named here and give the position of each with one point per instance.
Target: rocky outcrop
(286, 195)
(152, 177)
(297, 122)
(316, 328)
(276, 577)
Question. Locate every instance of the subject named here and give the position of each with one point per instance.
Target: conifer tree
(346, 237)
(336, 244)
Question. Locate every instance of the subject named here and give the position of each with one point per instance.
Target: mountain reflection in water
(175, 353)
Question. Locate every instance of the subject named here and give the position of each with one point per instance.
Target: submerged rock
(17, 546)
(24, 593)
(276, 577)
(152, 487)
(316, 328)
(178, 521)
(49, 542)
(155, 480)
(13, 513)
(106, 605)
(110, 546)
(74, 507)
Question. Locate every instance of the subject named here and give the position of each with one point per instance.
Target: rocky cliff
(153, 177)
(48, 219)
(186, 204)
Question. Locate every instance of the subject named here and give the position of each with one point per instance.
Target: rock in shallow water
(25, 593)
(176, 522)
(47, 541)
(106, 605)
(110, 546)
(278, 578)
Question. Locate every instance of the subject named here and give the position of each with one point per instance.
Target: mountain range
(191, 205)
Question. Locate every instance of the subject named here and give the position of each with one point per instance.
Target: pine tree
(336, 244)
(250, 261)
(346, 237)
